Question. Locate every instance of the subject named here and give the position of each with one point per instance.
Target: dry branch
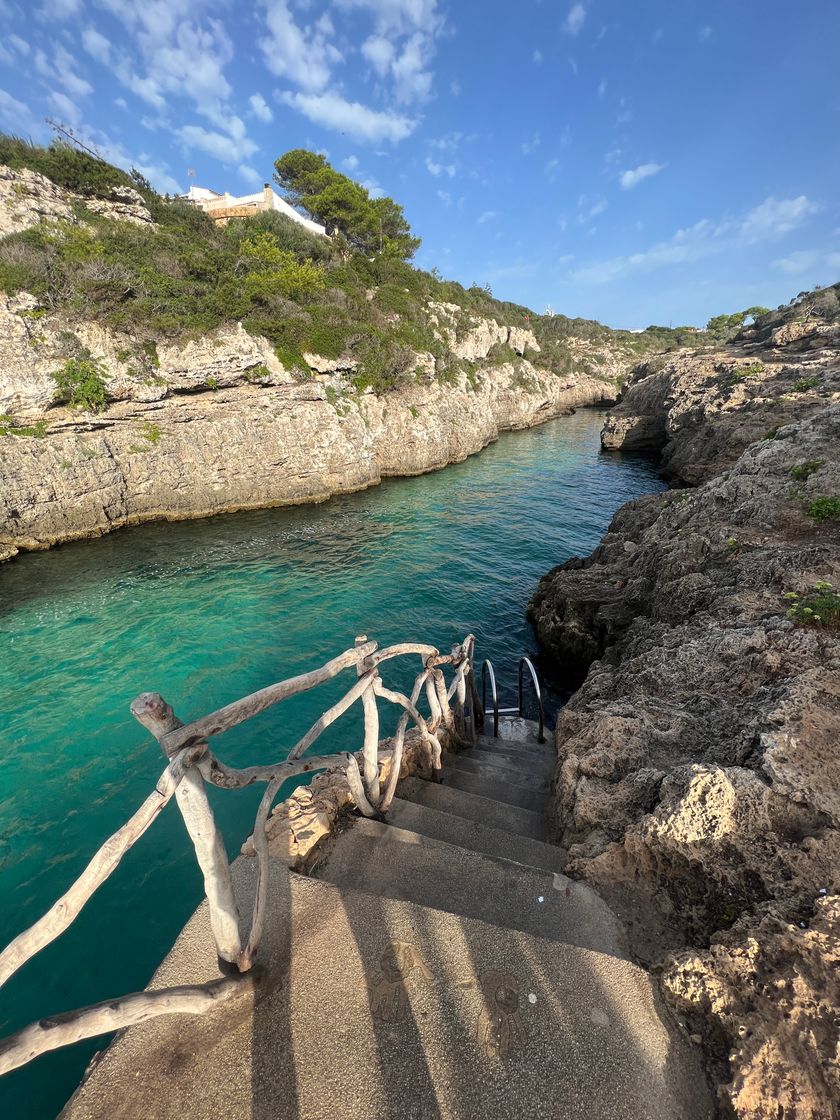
(113, 1015)
(248, 706)
(103, 864)
(331, 715)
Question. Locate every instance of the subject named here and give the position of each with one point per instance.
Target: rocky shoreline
(220, 426)
(698, 775)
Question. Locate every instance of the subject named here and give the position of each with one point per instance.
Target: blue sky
(654, 161)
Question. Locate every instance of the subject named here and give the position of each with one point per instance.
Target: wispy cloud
(260, 108)
(704, 34)
(809, 260)
(771, 218)
(630, 179)
(575, 19)
(487, 216)
(531, 145)
(331, 110)
(438, 169)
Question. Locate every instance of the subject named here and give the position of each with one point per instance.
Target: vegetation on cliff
(354, 295)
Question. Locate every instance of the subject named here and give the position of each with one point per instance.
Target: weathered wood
(261, 895)
(402, 649)
(157, 716)
(404, 702)
(248, 706)
(432, 700)
(443, 700)
(113, 1015)
(399, 742)
(331, 715)
(371, 746)
(226, 777)
(104, 863)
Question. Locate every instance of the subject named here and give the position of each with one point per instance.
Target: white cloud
(399, 17)
(575, 19)
(531, 145)
(304, 55)
(68, 110)
(97, 45)
(373, 188)
(705, 34)
(331, 110)
(455, 88)
(250, 175)
(602, 87)
(598, 207)
(379, 52)
(121, 102)
(351, 163)
(59, 9)
(487, 216)
(630, 179)
(66, 76)
(706, 238)
(20, 45)
(224, 148)
(538, 57)
(440, 168)
(260, 109)
(445, 197)
(15, 116)
(776, 216)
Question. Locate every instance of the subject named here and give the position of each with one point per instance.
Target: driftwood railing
(191, 765)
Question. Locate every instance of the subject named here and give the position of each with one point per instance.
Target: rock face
(698, 775)
(27, 198)
(218, 424)
(702, 410)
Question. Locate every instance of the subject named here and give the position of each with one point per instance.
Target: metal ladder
(495, 710)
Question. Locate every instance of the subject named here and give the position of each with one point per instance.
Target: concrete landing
(374, 1009)
(525, 776)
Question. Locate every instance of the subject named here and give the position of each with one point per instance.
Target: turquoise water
(208, 611)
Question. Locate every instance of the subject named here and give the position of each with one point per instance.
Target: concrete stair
(439, 966)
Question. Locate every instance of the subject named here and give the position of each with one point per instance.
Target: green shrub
(818, 607)
(803, 471)
(81, 383)
(65, 165)
(9, 427)
(805, 383)
(824, 508)
(151, 432)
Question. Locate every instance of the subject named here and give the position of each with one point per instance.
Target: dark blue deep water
(207, 611)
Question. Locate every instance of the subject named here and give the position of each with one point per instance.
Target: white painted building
(222, 207)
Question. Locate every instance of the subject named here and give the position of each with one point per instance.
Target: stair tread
(474, 807)
(370, 1007)
(495, 789)
(478, 837)
(507, 759)
(397, 863)
(498, 771)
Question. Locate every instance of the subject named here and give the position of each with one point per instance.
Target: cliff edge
(698, 777)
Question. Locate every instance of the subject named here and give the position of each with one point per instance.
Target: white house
(223, 207)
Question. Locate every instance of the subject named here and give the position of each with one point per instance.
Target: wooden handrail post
(371, 748)
(157, 716)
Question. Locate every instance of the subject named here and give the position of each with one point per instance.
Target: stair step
(396, 863)
(367, 1007)
(412, 817)
(517, 730)
(513, 760)
(465, 763)
(473, 807)
(497, 789)
(510, 746)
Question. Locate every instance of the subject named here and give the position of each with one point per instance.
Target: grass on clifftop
(187, 277)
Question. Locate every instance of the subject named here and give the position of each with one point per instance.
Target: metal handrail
(527, 661)
(487, 666)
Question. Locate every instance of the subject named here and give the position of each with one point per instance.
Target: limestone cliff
(698, 774)
(219, 424)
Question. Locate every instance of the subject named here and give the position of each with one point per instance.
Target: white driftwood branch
(443, 700)
(404, 702)
(248, 706)
(370, 753)
(103, 864)
(113, 1015)
(157, 716)
(402, 650)
(227, 777)
(331, 715)
(399, 741)
(261, 849)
